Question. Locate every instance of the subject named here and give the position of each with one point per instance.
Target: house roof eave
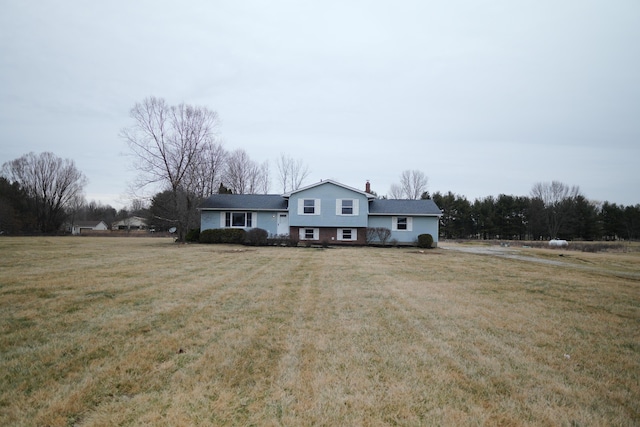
(242, 209)
(329, 181)
(403, 214)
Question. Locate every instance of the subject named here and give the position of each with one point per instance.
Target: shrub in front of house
(210, 236)
(370, 235)
(207, 236)
(378, 235)
(257, 237)
(293, 241)
(278, 240)
(193, 235)
(223, 235)
(425, 241)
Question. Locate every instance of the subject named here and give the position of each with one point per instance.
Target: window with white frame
(309, 233)
(308, 206)
(402, 223)
(238, 219)
(347, 234)
(347, 207)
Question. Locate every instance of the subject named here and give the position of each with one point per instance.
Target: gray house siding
(209, 220)
(419, 225)
(264, 209)
(327, 211)
(324, 212)
(264, 219)
(267, 221)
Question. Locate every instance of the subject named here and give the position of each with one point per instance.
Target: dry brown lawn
(141, 331)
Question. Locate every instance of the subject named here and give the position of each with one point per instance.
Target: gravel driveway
(516, 253)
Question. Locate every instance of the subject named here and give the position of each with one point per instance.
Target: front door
(283, 224)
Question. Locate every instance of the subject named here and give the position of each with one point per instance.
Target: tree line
(39, 193)
(535, 218)
(178, 155)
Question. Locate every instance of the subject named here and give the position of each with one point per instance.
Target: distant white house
(131, 223)
(83, 226)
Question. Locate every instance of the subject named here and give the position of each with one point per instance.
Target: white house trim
(303, 233)
(301, 206)
(343, 234)
(223, 219)
(394, 223)
(369, 196)
(355, 206)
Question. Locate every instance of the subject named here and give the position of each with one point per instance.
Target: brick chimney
(367, 187)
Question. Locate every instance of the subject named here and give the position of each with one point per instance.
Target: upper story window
(308, 206)
(238, 219)
(347, 207)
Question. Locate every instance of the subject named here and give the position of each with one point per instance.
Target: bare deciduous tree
(53, 184)
(395, 192)
(244, 176)
(263, 183)
(554, 196)
(209, 171)
(413, 183)
(291, 173)
(138, 205)
(170, 145)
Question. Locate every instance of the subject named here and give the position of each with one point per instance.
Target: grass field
(131, 331)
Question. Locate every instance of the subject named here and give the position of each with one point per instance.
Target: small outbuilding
(84, 226)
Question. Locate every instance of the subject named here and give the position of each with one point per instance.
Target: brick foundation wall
(330, 235)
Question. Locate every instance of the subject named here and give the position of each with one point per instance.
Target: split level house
(325, 212)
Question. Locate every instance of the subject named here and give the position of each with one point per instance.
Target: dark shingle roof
(267, 202)
(273, 202)
(403, 207)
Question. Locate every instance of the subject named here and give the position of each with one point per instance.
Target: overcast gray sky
(484, 97)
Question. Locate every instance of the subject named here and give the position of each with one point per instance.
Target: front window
(309, 206)
(347, 207)
(238, 219)
(402, 223)
(308, 233)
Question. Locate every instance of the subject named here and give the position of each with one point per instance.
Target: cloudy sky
(485, 97)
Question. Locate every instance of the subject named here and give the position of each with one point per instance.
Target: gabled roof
(329, 181)
(404, 207)
(254, 202)
(131, 221)
(85, 224)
